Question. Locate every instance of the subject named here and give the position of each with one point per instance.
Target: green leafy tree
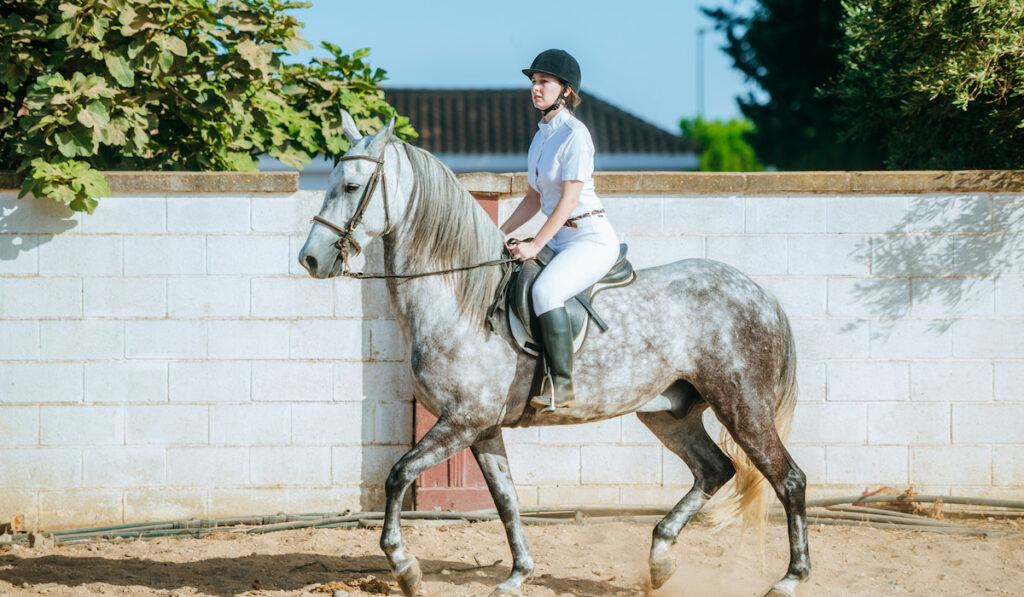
(789, 48)
(96, 85)
(939, 82)
(723, 147)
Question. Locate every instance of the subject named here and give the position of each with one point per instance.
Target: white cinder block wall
(166, 357)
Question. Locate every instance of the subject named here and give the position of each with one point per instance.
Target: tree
(939, 82)
(168, 85)
(790, 49)
(723, 148)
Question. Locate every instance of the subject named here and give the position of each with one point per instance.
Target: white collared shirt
(562, 150)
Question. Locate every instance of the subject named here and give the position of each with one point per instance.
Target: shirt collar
(550, 128)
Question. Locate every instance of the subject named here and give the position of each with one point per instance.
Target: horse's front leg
(490, 454)
(445, 439)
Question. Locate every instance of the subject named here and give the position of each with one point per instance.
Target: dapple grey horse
(682, 338)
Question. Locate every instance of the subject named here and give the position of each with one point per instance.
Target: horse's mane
(446, 228)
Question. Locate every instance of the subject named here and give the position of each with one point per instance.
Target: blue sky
(637, 54)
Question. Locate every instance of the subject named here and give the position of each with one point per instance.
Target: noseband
(344, 233)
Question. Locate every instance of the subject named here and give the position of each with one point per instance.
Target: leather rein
(344, 233)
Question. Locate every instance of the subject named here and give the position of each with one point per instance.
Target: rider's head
(555, 77)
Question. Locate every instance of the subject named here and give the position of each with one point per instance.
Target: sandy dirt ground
(595, 558)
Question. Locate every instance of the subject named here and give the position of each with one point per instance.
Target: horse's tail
(750, 496)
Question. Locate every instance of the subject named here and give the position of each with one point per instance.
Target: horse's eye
(351, 187)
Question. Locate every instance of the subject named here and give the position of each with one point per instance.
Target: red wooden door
(457, 484)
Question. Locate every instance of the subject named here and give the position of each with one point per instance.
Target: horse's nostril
(310, 263)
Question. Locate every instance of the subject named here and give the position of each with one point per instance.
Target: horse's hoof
(409, 577)
(499, 592)
(662, 569)
(774, 592)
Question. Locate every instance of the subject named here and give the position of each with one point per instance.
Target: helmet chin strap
(558, 102)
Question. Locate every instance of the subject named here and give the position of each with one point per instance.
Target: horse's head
(355, 208)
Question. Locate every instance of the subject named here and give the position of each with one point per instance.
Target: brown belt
(571, 222)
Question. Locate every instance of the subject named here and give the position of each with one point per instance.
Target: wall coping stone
(187, 182)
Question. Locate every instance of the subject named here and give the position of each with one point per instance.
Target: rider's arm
(571, 190)
(526, 209)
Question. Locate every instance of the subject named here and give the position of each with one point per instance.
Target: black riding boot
(557, 332)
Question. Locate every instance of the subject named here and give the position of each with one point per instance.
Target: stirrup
(546, 404)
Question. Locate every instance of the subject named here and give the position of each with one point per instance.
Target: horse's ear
(349, 127)
(382, 137)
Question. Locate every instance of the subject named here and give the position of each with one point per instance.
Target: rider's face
(544, 90)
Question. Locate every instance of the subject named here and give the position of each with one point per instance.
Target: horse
(682, 338)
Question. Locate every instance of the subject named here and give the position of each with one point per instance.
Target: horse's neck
(425, 307)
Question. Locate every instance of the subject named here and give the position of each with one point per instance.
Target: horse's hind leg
(711, 469)
(490, 454)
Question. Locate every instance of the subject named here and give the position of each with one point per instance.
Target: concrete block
(908, 424)
(291, 466)
(827, 339)
(42, 298)
(82, 425)
(831, 255)
(33, 215)
(248, 255)
(329, 339)
(956, 214)
(635, 215)
(799, 297)
(141, 214)
(76, 255)
(77, 509)
(290, 381)
(753, 255)
(868, 297)
(986, 255)
(988, 338)
(635, 432)
(652, 251)
(910, 256)
(674, 471)
(126, 381)
(392, 423)
(811, 380)
(21, 502)
(868, 465)
(40, 382)
(811, 460)
(144, 505)
(165, 339)
(1008, 465)
(959, 465)
(246, 502)
(545, 465)
(42, 468)
(125, 297)
(250, 424)
(167, 425)
(366, 466)
(19, 255)
(124, 467)
(20, 340)
(208, 214)
(288, 215)
(19, 426)
(248, 339)
(372, 381)
(570, 495)
(600, 432)
(207, 467)
(867, 215)
(360, 298)
(785, 215)
(610, 465)
(988, 423)
(1009, 296)
(829, 424)
(524, 435)
(651, 495)
(911, 339)
(385, 340)
(324, 499)
(200, 298)
(952, 297)
(210, 381)
(342, 423)
(79, 340)
(867, 381)
(164, 255)
(704, 215)
(951, 381)
(291, 298)
(1009, 382)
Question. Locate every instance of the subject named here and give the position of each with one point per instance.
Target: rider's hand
(524, 250)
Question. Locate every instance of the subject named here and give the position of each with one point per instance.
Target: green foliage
(168, 85)
(789, 48)
(940, 82)
(723, 147)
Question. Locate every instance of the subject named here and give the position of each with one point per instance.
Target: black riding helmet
(557, 63)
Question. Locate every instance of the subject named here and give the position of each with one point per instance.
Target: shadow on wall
(27, 223)
(945, 257)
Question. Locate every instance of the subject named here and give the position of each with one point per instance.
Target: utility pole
(700, 71)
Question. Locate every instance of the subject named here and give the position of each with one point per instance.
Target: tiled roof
(503, 121)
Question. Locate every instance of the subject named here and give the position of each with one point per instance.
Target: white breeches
(584, 256)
